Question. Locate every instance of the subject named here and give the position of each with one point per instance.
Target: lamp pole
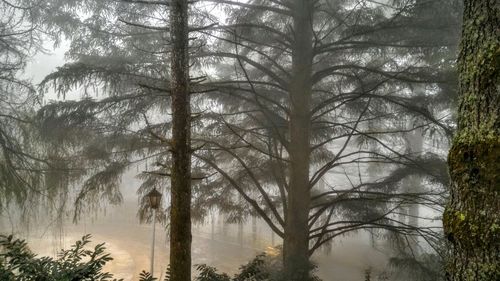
(154, 198)
(153, 243)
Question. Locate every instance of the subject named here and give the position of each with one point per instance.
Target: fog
(217, 243)
(314, 133)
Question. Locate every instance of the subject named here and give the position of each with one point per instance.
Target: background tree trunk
(296, 240)
(471, 219)
(413, 184)
(180, 212)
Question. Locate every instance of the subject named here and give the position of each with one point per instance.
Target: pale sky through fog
(42, 64)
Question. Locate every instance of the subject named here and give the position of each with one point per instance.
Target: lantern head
(154, 198)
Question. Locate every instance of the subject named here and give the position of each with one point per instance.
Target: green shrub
(78, 263)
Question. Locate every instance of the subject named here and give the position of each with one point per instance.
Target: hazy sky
(43, 64)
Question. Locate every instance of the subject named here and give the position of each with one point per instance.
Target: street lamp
(154, 199)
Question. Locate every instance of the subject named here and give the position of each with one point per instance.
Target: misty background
(377, 123)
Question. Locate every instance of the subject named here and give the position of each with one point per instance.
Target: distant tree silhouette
(300, 84)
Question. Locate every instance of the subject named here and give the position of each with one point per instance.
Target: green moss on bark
(472, 219)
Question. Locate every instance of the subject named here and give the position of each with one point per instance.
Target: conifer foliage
(295, 111)
(314, 94)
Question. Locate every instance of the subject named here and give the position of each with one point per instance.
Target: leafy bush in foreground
(79, 263)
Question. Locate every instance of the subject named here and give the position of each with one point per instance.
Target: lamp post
(154, 198)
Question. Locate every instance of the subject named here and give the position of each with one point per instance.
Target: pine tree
(120, 65)
(146, 48)
(309, 77)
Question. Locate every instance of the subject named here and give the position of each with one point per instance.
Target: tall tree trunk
(180, 210)
(472, 217)
(296, 240)
(412, 184)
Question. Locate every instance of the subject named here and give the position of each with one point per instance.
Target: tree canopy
(323, 118)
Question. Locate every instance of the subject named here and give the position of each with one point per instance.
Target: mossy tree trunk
(471, 219)
(180, 209)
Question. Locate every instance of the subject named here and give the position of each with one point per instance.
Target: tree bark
(180, 210)
(296, 238)
(472, 217)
